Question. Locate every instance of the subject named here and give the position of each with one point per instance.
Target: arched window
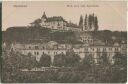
(37, 53)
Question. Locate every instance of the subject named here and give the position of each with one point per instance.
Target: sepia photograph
(64, 42)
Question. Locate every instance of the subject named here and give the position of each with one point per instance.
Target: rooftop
(55, 18)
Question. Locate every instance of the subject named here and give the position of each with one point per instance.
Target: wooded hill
(39, 34)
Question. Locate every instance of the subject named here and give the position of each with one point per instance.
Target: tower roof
(44, 15)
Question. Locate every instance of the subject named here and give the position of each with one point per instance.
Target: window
(48, 52)
(86, 49)
(54, 53)
(29, 54)
(98, 49)
(116, 49)
(37, 53)
(43, 52)
(104, 49)
(93, 49)
(36, 47)
(90, 41)
(43, 48)
(109, 54)
(62, 52)
(29, 47)
(58, 24)
(110, 48)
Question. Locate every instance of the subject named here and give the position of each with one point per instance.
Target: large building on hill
(85, 37)
(59, 23)
(55, 22)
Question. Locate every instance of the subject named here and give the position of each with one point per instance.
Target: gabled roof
(55, 18)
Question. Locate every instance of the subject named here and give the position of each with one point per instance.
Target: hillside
(39, 34)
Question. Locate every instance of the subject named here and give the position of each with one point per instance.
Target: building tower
(43, 19)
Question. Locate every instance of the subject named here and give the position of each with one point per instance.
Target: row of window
(55, 53)
(37, 47)
(104, 49)
(58, 23)
(88, 41)
(86, 49)
(86, 37)
(97, 54)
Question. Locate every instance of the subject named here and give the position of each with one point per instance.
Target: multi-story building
(53, 48)
(55, 22)
(124, 48)
(97, 51)
(85, 37)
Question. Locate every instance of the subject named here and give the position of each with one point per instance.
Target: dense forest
(30, 34)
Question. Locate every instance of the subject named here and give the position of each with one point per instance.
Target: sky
(112, 15)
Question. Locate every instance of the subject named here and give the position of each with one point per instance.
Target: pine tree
(85, 22)
(81, 22)
(93, 21)
(96, 23)
(93, 18)
(90, 21)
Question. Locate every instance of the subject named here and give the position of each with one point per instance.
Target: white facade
(52, 48)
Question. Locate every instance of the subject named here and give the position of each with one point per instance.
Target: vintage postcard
(64, 42)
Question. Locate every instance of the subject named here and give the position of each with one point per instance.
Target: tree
(11, 64)
(28, 61)
(120, 60)
(95, 23)
(45, 61)
(72, 59)
(87, 61)
(85, 22)
(104, 59)
(90, 20)
(59, 60)
(119, 72)
(37, 23)
(81, 22)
